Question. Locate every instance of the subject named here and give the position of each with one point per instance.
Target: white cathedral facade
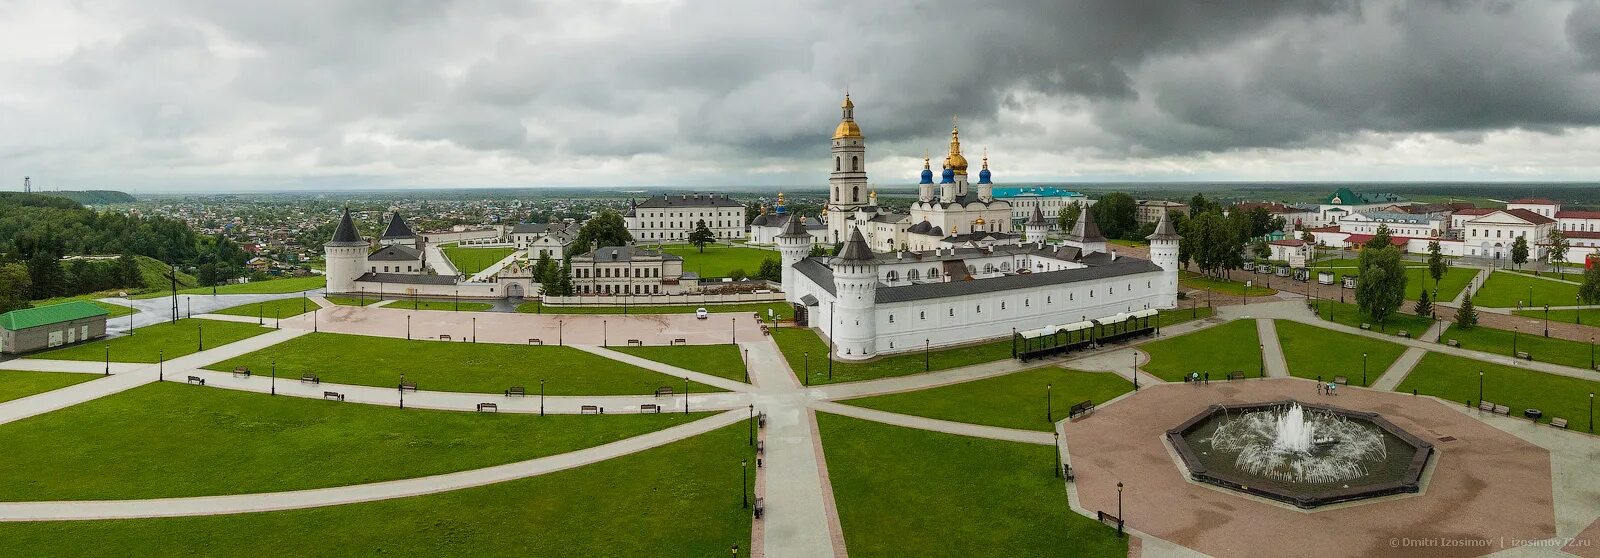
(948, 272)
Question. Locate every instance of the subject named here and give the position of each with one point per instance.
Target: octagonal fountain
(1304, 454)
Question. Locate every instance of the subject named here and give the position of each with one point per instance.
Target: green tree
(771, 270)
(738, 273)
(1589, 291)
(1424, 304)
(1466, 315)
(1380, 239)
(15, 287)
(1436, 263)
(1308, 237)
(46, 276)
(1199, 204)
(563, 280)
(605, 229)
(702, 236)
(546, 271)
(1382, 288)
(1557, 252)
(1519, 251)
(1069, 216)
(820, 250)
(1261, 249)
(1116, 213)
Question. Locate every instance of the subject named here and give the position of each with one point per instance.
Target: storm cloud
(199, 95)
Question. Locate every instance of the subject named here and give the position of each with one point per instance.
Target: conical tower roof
(855, 250)
(1085, 230)
(795, 228)
(398, 227)
(1164, 230)
(345, 234)
(1037, 218)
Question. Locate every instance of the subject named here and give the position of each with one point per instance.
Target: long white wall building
(670, 218)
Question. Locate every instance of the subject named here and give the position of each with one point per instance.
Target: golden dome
(954, 160)
(847, 129)
(979, 222)
(847, 103)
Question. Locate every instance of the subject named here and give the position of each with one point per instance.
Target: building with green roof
(45, 327)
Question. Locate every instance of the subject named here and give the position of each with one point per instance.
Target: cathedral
(953, 214)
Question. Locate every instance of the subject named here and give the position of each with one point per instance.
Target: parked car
(701, 314)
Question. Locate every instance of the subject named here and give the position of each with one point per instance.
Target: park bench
(1341, 380)
(663, 391)
(1558, 422)
(517, 391)
(408, 386)
(1080, 408)
(241, 371)
(1485, 406)
(761, 419)
(483, 407)
(761, 447)
(1453, 343)
(333, 395)
(649, 408)
(680, 341)
(635, 343)
(589, 410)
(764, 330)
(761, 507)
(1066, 471)
(1366, 326)
(1502, 410)
(535, 341)
(311, 378)
(1107, 518)
(1235, 376)
(1403, 333)
(1524, 355)
(197, 380)
(444, 337)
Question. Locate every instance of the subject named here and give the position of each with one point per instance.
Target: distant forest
(38, 230)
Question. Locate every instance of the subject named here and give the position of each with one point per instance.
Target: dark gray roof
(981, 236)
(532, 228)
(398, 228)
(855, 250)
(395, 253)
(968, 199)
(794, 227)
(407, 279)
(624, 254)
(890, 217)
(690, 200)
(1085, 230)
(345, 234)
(809, 300)
(923, 291)
(920, 228)
(759, 221)
(1164, 230)
(1037, 218)
(818, 272)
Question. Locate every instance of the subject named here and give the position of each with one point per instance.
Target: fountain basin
(1308, 455)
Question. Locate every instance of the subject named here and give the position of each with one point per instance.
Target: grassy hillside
(155, 275)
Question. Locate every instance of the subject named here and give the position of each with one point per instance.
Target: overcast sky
(209, 95)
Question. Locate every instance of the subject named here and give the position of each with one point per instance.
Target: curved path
(273, 501)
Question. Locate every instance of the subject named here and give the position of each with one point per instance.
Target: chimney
(1113, 254)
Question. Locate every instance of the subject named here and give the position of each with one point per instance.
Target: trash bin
(1532, 414)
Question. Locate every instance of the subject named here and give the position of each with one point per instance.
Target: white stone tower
(793, 243)
(345, 255)
(855, 281)
(847, 185)
(1164, 252)
(1037, 227)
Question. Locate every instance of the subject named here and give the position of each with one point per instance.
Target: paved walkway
(797, 521)
(664, 368)
(1401, 368)
(490, 271)
(158, 310)
(440, 264)
(936, 425)
(273, 501)
(1272, 351)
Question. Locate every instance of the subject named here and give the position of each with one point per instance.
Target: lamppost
(1049, 411)
(108, 359)
(1058, 453)
(1119, 510)
(1263, 362)
(808, 368)
(605, 337)
(733, 330)
(744, 483)
(1480, 386)
(925, 355)
(161, 365)
(1591, 353)
(1591, 412)
(541, 397)
(1514, 331)
(752, 422)
(831, 319)
(474, 329)
(560, 328)
(260, 311)
(200, 334)
(1547, 320)
(274, 376)
(685, 395)
(1363, 369)
(408, 327)
(1136, 371)
(746, 360)
(129, 298)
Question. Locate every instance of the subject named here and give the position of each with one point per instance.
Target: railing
(661, 300)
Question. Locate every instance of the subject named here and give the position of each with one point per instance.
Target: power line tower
(173, 275)
(27, 185)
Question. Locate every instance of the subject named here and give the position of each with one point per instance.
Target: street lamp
(161, 365)
(401, 387)
(744, 483)
(1058, 453)
(1135, 371)
(1480, 387)
(1547, 320)
(274, 376)
(1049, 412)
(808, 368)
(541, 397)
(108, 359)
(200, 334)
(1363, 369)
(925, 357)
(1591, 412)
(408, 327)
(685, 395)
(1514, 331)
(752, 422)
(1119, 510)
(604, 336)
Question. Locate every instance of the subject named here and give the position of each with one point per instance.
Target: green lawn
(1179, 315)
(796, 342)
(1455, 378)
(1350, 315)
(718, 260)
(1197, 281)
(271, 286)
(1230, 347)
(16, 384)
(1313, 352)
(1505, 289)
(454, 366)
(908, 492)
(448, 305)
(1015, 400)
(1590, 316)
(170, 439)
(1455, 279)
(1504, 342)
(281, 308)
(718, 360)
(782, 310)
(675, 500)
(149, 343)
(352, 300)
(1129, 243)
(472, 260)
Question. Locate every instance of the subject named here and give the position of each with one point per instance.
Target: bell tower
(847, 185)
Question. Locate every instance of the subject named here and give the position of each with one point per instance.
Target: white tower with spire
(855, 280)
(345, 255)
(1164, 253)
(847, 185)
(1036, 228)
(793, 243)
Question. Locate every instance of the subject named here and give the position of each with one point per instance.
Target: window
(923, 315)
(855, 163)
(891, 318)
(979, 307)
(1002, 305)
(952, 312)
(892, 278)
(836, 162)
(855, 193)
(911, 275)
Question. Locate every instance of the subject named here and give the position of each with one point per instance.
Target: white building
(670, 218)
(629, 270)
(1344, 202)
(545, 239)
(870, 303)
(1490, 233)
(398, 267)
(1151, 211)
(1400, 224)
(1051, 202)
(766, 227)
